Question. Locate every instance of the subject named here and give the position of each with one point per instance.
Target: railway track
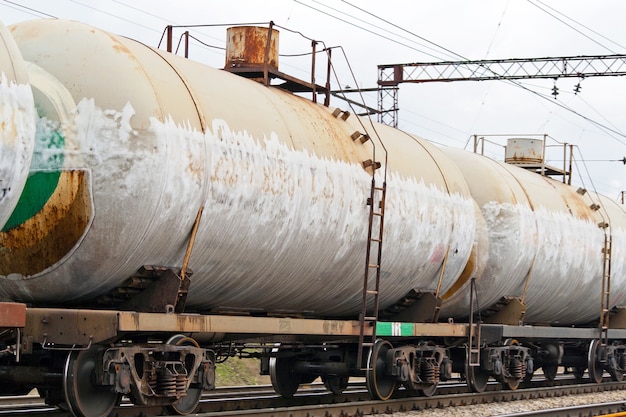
(316, 401)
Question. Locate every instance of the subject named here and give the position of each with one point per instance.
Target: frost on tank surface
(17, 118)
(282, 228)
(567, 269)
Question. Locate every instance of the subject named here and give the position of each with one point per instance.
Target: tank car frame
(88, 359)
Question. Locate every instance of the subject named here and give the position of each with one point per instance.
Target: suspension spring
(166, 384)
(151, 380)
(517, 368)
(181, 385)
(429, 372)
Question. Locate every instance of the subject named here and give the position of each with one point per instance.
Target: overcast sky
(402, 31)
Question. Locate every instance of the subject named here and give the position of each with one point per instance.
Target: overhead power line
(405, 30)
(369, 30)
(27, 9)
(578, 23)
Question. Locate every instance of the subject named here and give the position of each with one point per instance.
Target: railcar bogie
(91, 380)
(291, 366)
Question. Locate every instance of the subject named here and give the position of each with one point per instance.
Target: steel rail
(311, 403)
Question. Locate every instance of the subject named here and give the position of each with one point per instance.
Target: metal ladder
(371, 290)
(606, 290)
(473, 338)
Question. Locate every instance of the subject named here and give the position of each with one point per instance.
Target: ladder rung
(372, 292)
(379, 188)
(367, 344)
(377, 213)
(370, 318)
(376, 240)
(373, 266)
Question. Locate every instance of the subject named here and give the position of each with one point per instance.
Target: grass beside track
(236, 371)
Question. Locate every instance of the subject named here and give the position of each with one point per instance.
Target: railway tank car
(138, 140)
(143, 162)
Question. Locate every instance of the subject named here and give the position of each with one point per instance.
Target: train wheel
(593, 365)
(616, 375)
(615, 370)
(512, 383)
(429, 391)
(380, 385)
(189, 402)
(335, 384)
(579, 372)
(549, 371)
(477, 378)
(284, 380)
(82, 397)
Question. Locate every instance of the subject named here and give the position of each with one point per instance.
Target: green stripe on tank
(45, 170)
(37, 191)
(384, 328)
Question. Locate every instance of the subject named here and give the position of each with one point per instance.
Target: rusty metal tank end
(523, 151)
(251, 46)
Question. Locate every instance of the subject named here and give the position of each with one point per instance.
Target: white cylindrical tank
(545, 236)
(153, 137)
(509, 224)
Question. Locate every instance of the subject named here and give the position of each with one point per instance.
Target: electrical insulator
(555, 91)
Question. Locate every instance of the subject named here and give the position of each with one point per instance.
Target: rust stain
(49, 235)
(191, 323)
(247, 46)
(578, 207)
(466, 275)
(520, 151)
(118, 47)
(12, 315)
(527, 158)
